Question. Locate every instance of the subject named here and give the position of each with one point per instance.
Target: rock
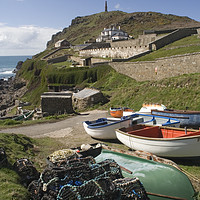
(10, 91)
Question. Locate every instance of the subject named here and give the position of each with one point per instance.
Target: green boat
(161, 181)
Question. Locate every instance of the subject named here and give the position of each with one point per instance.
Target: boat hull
(187, 118)
(116, 112)
(107, 131)
(182, 147)
(156, 177)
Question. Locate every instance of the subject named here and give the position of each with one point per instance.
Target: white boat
(146, 109)
(161, 141)
(156, 120)
(104, 128)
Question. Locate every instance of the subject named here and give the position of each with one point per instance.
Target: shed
(62, 43)
(56, 103)
(87, 97)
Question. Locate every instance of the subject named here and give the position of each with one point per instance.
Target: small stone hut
(87, 97)
(56, 103)
(62, 43)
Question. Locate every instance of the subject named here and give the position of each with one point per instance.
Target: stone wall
(115, 52)
(56, 103)
(172, 37)
(122, 49)
(161, 68)
(58, 59)
(80, 60)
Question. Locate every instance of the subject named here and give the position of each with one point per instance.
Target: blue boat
(189, 119)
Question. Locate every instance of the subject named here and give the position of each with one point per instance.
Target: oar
(125, 169)
(165, 196)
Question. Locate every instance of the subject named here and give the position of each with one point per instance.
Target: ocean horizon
(8, 64)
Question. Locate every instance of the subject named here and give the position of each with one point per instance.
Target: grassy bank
(20, 146)
(176, 92)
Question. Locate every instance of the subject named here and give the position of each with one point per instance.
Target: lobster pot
(35, 190)
(114, 169)
(93, 190)
(131, 189)
(26, 171)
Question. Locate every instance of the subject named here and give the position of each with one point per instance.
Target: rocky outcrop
(10, 91)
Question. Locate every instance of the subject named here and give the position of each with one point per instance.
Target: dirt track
(69, 130)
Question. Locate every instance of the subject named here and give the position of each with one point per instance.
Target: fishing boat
(162, 141)
(146, 109)
(118, 112)
(161, 181)
(104, 128)
(86, 150)
(156, 120)
(190, 119)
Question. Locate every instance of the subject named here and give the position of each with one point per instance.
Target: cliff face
(88, 27)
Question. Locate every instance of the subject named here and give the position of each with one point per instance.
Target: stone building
(62, 43)
(87, 97)
(56, 103)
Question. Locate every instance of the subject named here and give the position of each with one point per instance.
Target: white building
(113, 34)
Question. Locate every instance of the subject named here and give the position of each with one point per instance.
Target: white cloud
(117, 6)
(24, 40)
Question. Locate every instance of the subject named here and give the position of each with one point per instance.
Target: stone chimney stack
(106, 6)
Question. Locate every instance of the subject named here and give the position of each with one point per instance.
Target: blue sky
(27, 25)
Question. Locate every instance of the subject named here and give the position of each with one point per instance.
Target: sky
(27, 25)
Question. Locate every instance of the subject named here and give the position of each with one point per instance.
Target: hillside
(88, 27)
(39, 74)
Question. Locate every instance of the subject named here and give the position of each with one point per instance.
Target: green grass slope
(177, 92)
(87, 27)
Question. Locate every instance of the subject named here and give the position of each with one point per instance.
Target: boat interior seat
(99, 123)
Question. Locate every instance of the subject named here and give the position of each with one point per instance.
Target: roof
(87, 92)
(67, 94)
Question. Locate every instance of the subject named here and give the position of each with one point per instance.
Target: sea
(8, 64)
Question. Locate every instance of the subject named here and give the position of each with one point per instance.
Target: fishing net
(26, 171)
(60, 157)
(131, 188)
(3, 157)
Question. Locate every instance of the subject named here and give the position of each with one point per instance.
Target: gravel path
(68, 127)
